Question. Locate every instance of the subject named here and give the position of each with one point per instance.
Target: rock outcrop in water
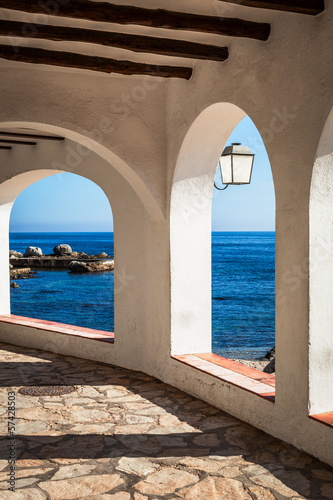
(15, 255)
(270, 368)
(33, 252)
(62, 249)
(90, 267)
(62, 258)
(270, 354)
(102, 255)
(21, 273)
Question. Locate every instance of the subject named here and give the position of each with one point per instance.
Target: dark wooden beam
(22, 143)
(79, 61)
(5, 147)
(31, 136)
(312, 7)
(136, 43)
(124, 14)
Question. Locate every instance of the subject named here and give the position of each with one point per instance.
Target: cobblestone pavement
(123, 435)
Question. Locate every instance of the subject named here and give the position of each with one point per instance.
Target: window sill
(324, 418)
(51, 326)
(231, 372)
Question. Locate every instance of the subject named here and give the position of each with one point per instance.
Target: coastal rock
(11, 266)
(74, 254)
(14, 254)
(270, 354)
(33, 252)
(98, 267)
(62, 261)
(270, 368)
(14, 285)
(62, 249)
(92, 267)
(102, 255)
(78, 267)
(21, 273)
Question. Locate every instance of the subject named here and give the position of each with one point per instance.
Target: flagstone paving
(123, 435)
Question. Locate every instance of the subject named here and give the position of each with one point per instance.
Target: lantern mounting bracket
(221, 189)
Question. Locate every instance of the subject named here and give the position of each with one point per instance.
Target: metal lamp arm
(220, 189)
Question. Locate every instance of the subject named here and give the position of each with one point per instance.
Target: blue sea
(243, 310)
(243, 294)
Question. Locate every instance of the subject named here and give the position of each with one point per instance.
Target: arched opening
(133, 206)
(191, 205)
(243, 259)
(63, 209)
(321, 276)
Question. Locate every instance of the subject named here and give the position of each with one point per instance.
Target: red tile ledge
(51, 326)
(324, 418)
(266, 378)
(232, 373)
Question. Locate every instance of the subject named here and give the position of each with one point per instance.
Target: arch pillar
(142, 292)
(291, 289)
(5, 210)
(321, 276)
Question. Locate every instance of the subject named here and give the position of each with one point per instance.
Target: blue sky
(249, 207)
(62, 203)
(70, 203)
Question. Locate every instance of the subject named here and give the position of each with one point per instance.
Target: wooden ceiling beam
(79, 61)
(31, 136)
(22, 143)
(124, 14)
(136, 43)
(311, 7)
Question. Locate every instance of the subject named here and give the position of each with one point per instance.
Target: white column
(4, 258)
(321, 288)
(190, 244)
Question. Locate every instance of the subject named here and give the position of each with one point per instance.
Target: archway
(63, 209)
(190, 232)
(133, 205)
(243, 258)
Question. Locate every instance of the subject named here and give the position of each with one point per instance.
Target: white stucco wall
(152, 156)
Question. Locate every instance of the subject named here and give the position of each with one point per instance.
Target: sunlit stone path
(123, 435)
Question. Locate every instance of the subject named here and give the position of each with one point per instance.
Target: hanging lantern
(236, 164)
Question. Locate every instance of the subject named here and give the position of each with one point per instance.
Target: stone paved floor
(124, 435)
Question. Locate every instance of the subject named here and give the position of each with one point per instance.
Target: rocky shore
(257, 364)
(91, 266)
(22, 273)
(266, 364)
(63, 257)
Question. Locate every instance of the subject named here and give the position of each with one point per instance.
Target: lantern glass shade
(236, 164)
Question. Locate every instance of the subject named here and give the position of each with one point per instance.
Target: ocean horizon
(108, 232)
(243, 288)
